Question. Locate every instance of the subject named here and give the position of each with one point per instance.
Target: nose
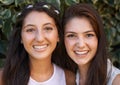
(80, 43)
(39, 36)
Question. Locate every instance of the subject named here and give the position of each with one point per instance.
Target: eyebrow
(89, 31)
(83, 32)
(49, 24)
(34, 25)
(28, 25)
(70, 32)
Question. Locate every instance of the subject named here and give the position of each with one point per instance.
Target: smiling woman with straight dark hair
(85, 43)
(34, 56)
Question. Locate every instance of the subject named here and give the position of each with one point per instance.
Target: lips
(81, 52)
(40, 47)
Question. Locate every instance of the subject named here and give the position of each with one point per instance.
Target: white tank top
(112, 72)
(58, 78)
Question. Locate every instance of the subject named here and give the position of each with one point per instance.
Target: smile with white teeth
(81, 52)
(40, 46)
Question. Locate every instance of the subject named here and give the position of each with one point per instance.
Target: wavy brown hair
(97, 72)
(17, 68)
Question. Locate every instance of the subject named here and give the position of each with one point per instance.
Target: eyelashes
(33, 29)
(48, 28)
(30, 30)
(75, 36)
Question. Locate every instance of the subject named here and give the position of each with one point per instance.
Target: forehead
(35, 17)
(78, 24)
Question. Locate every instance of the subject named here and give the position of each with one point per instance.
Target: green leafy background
(109, 11)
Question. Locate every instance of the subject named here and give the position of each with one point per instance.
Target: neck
(41, 70)
(83, 74)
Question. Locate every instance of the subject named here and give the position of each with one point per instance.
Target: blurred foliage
(108, 9)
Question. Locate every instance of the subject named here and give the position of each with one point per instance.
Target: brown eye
(71, 36)
(30, 30)
(48, 28)
(90, 35)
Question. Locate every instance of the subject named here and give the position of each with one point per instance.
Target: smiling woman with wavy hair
(34, 56)
(85, 43)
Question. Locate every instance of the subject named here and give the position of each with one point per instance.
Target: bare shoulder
(70, 77)
(116, 81)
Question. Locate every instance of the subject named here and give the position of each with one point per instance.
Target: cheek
(93, 44)
(53, 37)
(69, 44)
(26, 38)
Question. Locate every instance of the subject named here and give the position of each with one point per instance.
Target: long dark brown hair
(97, 72)
(17, 69)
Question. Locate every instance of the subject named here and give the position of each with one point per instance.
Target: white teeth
(40, 47)
(81, 53)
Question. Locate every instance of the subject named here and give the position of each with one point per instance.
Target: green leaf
(109, 36)
(116, 41)
(113, 21)
(117, 2)
(56, 3)
(17, 2)
(1, 23)
(117, 7)
(113, 32)
(70, 2)
(118, 38)
(6, 14)
(109, 2)
(94, 1)
(118, 27)
(2, 61)
(117, 15)
(14, 18)
(7, 2)
(7, 27)
(3, 46)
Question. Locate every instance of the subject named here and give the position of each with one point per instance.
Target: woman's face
(39, 35)
(80, 40)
